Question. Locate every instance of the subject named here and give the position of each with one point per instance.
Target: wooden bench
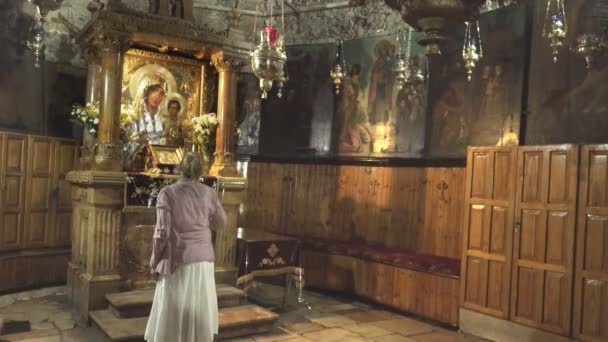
(425, 285)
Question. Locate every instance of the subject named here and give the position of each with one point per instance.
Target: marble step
(236, 321)
(139, 302)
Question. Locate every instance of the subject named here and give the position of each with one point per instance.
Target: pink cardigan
(186, 212)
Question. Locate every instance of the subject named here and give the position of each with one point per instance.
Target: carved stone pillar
(231, 191)
(97, 213)
(224, 163)
(109, 151)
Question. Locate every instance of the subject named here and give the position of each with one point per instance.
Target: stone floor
(324, 318)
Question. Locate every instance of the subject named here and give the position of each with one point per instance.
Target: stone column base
(73, 282)
(92, 291)
(226, 275)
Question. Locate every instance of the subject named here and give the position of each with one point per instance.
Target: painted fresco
(248, 115)
(567, 102)
(485, 110)
(300, 122)
(374, 117)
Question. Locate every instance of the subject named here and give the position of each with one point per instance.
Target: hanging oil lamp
(402, 60)
(36, 42)
(555, 28)
(268, 57)
(472, 51)
(338, 71)
(588, 46)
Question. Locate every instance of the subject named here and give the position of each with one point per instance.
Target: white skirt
(185, 306)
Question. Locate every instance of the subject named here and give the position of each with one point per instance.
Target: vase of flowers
(88, 117)
(204, 129)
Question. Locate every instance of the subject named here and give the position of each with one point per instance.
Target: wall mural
(300, 122)
(567, 102)
(248, 115)
(486, 110)
(373, 117)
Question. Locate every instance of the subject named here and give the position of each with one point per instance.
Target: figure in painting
(172, 132)
(449, 116)
(492, 108)
(149, 124)
(354, 134)
(380, 98)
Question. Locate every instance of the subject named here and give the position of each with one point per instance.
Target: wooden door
(65, 161)
(37, 232)
(12, 189)
(543, 260)
(591, 281)
(487, 235)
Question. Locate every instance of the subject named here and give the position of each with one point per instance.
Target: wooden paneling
(543, 260)
(12, 190)
(425, 294)
(487, 230)
(65, 161)
(414, 209)
(37, 231)
(35, 209)
(591, 281)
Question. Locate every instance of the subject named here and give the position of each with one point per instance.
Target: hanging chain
(408, 47)
(283, 20)
(479, 40)
(255, 23)
(271, 13)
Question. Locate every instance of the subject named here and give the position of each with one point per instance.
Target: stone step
(234, 322)
(139, 302)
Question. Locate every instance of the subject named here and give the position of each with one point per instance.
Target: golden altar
(169, 70)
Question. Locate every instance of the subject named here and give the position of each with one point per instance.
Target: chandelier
(472, 51)
(268, 56)
(431, 17)
(555, 28)
(338, 71)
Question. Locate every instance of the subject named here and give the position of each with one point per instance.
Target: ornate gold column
(224, 163)
(97, 194)
(109, 150)
(87, 150)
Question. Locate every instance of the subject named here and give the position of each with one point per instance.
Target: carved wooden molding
(109, 151)
(223, 64)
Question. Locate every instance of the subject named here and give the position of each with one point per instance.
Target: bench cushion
(390, 256)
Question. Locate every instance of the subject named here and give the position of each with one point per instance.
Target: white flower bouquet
(87, 116)
(204, 130)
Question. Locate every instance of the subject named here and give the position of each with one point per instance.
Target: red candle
(272, 34)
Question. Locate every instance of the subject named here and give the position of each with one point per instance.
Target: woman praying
(185, 301)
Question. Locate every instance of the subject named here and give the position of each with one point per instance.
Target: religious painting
(248, 115)
(162, 92)
(485, 110)
(567, 100)
(300, 121)
(373, 116)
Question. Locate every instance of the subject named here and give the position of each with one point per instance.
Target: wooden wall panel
(35, 209)
(37, 231)
(414, 209)
(425, 294)
(543, 258)
(591, 276)
(65, 161)
(12, 190)
(487, 229)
